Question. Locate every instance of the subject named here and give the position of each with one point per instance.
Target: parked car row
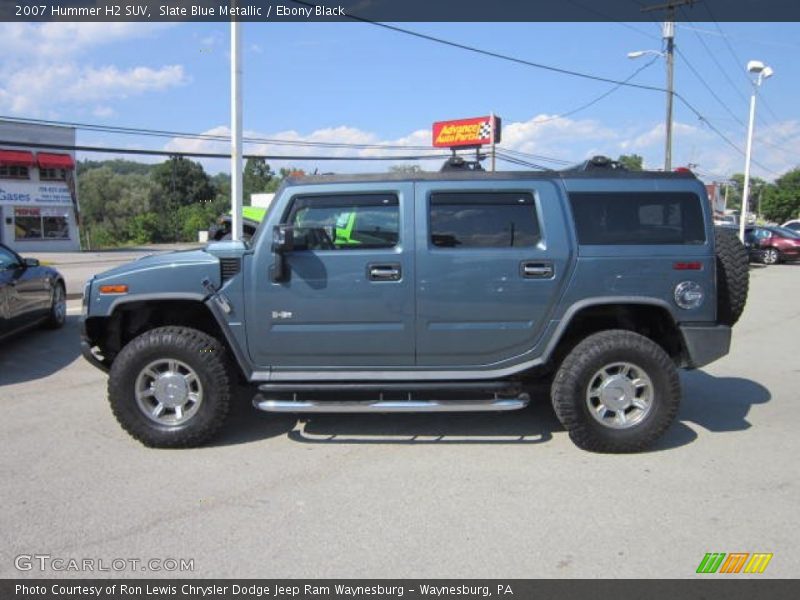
(771, 244)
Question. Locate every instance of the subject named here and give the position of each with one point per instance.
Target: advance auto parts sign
(466, 132)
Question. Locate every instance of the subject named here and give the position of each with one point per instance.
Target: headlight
(689, 294)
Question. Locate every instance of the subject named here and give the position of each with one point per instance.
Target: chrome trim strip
(400, 406)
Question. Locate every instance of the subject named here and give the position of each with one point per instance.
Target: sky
(356, 82)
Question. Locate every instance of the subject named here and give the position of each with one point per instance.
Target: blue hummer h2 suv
(451, 291)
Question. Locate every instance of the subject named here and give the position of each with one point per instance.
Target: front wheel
(617, 391)
(58, 307)
(771, 256)
(170, 387)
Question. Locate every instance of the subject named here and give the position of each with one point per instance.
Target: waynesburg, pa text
(254, 590)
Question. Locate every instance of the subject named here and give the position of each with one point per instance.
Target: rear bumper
(705, 344)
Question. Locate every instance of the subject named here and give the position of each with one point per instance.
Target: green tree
(757, 188)
(256, 178)
(181, 182)
(632, 162)
(109, 201)
(781, 200)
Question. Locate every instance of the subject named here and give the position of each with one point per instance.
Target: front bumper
(705, 344)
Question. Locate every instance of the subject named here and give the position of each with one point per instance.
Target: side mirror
(30, 262)
(282, 238)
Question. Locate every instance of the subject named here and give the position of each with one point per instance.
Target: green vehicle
(251, 218)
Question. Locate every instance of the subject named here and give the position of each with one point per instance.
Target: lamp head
(636, 54)
(755, 66)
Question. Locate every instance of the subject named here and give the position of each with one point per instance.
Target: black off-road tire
(573, 378)
(58, 307)
(733, 276)
(204, 354)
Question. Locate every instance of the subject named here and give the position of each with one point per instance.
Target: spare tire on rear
(733, 276)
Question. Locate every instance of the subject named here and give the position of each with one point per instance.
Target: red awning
(55, 161)
(15, 158)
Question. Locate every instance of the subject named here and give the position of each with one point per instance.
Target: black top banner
(400, 10)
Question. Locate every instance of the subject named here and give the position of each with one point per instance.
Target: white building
(38, 190)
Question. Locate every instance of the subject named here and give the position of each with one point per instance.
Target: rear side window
(483, 220)
(638, 218)
(356, 221)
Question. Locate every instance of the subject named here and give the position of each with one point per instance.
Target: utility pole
(236, 130)
(494, 136)
(668, 30)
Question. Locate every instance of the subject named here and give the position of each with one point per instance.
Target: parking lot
(411, 495)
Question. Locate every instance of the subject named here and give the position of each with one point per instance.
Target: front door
(491, 259)
(349, 304)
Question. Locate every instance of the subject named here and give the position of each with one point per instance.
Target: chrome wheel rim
(619, 395)
(168, 391)
(771, 256)
(59, 304)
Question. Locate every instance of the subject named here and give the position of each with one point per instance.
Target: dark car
(775, 244)
(30, 294)
(251, 219)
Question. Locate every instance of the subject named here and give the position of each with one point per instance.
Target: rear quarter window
(640, 218)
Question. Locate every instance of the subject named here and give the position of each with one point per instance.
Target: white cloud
(44, 69)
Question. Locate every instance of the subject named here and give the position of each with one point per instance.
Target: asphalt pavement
(480, 495)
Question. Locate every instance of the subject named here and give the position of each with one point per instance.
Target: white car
(794, 225)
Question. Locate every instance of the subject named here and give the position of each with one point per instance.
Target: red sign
(466, 132)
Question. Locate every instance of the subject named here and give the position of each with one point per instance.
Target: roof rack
(597, 163)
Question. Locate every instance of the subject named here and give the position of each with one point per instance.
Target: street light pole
(669, 36)
(763, 72)
(236, 131)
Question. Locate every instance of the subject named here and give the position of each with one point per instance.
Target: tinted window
(483, 220)
(638, 218)
(356, 221)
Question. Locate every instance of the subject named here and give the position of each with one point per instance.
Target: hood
(160, 261)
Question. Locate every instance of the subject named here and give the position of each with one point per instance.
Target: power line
(709, 88)
(597, 99)
(210, 136)
(138, 151)
(532, 64)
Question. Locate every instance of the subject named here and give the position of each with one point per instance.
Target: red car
(777, 244)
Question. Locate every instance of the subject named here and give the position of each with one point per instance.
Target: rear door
(491, 260)
(347, 306)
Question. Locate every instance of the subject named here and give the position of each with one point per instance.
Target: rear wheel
(170, 387)
(617, 391)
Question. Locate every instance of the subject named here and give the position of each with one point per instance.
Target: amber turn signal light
(113, 289)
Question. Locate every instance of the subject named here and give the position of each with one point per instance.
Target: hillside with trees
(125, 202)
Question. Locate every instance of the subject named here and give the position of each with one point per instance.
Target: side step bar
(500, 387)
(390, 406)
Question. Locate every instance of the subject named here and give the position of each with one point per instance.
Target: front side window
(483, 220)
(7, 260)
(639, 218)
(353, 221)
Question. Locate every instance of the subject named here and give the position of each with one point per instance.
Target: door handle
(537, 270)
(389, 272)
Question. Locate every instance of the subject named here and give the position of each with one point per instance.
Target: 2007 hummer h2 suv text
(448, 291)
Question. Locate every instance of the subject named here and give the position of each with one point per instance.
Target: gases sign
(466, 132)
